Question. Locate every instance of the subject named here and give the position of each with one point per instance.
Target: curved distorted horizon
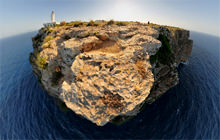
(109, 69)
(29, 15)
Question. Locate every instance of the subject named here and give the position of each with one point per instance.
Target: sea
(190, 110)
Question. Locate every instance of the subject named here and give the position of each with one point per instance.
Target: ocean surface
(190, 110)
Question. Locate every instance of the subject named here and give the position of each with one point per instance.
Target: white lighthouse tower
(53, 22)
(52, 17)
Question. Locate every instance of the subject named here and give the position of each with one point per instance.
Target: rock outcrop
(104, 71)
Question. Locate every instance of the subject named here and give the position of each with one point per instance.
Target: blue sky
(19, 16)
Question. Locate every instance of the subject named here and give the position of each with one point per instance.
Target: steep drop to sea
(189, 110)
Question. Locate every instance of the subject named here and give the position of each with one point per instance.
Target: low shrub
(47, 38)
(110, 22)
(49, 30)
(41, 62)
(77, 23)
(70, 24)
(121, 23)
(91, 23)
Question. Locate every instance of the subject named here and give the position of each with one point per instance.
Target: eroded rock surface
(104, 72)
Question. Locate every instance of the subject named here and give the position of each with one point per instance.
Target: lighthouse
(52, 23)
(52, 17)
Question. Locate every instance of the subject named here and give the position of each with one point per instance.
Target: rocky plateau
(103, 71)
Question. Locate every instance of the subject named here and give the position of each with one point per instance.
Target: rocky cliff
(109, 69)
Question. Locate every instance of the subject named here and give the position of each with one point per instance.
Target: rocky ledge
(110, 69)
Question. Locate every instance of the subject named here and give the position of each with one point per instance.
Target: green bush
(47, 38)
(70, 24)
(49, 30)
(110, 22)
(121, 23)
(41, 62)
(91, 23)
(164, 55)
(43, 29)
(77, 23)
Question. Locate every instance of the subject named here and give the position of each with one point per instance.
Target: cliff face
(165, 73)
(101, 72)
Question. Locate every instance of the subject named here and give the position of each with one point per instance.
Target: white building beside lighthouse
(53, 22)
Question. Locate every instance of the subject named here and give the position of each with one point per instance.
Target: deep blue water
(189, 110)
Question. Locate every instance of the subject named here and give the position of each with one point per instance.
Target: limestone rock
(103, 72)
